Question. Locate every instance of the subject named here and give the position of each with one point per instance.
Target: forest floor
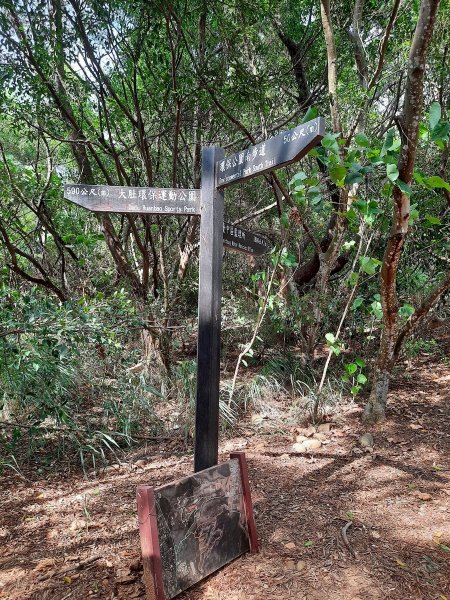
(70, 537)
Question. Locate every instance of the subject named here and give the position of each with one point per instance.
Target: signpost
(165, 578)
(218, 172)
(245, 241)
(278, 151)
(111, 198)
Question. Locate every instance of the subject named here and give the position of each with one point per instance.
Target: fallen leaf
(44, 564)
(126, 580)
(77, 524)
(301, 565)
(67, 579)
(415, 426)
(400, 563)
(375, 534)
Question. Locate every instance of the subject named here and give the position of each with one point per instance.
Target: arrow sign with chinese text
(122, 199)
(241, 240)
(278, 151)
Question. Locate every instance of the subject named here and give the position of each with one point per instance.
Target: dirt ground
(68, 537)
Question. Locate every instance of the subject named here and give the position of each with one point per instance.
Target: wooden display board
(194, 526)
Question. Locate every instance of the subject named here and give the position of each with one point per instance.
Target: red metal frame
(247, 500)
(148, 532)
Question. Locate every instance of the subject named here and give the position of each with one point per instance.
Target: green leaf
(440, 133)
(298, 177)
(311, 114)
(404, 187)
(357, 302)
(434, 115)
(337, 173)
(329, 142)
(284, 219)
(354, 278)
(437, 182)
(377, 310)
(355, 390)
(353, 176)
(359, 361)
(444, 547)
(388, 141)
(369, 265)
(392, 172)
(413, 214)
(362, 140)
(361, 378)
(308, 543)
(351, 368)
(432, 220)
(330, 338)
(406, 310)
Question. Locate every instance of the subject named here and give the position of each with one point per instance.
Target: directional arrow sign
(108, 198)
(278, 151)
(241, 240)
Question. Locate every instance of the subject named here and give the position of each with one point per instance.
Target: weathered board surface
(202, 525)
(242, 240)
(277, 151)
(122, 199)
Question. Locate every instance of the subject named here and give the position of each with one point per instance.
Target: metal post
(209, 300)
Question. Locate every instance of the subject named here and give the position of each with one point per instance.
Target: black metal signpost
(218, 172)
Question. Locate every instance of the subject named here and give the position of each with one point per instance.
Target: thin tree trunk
(375, 408)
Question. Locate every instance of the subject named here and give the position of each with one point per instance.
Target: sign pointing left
(121, 199)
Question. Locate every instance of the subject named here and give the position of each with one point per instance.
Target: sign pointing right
(278, 151)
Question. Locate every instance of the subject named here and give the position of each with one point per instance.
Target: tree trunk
(375, 409)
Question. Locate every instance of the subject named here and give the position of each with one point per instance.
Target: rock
(300, 438)
(366, 440)
(140, 463)
(422, 496)
(312, 444)
(284, 456)
(319, 436)
(300, 448)
(310, 431)
(301, 565)
(324, 428)
(290, 565)
(305, 431)
(290, 546)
